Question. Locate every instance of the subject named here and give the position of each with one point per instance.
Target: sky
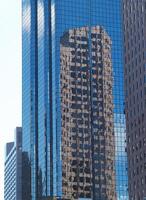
(10, 76)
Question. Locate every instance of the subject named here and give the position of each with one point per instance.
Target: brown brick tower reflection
(88, 148)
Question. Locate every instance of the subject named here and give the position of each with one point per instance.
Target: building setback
(13, 168)
(48, 156)
(135, 94)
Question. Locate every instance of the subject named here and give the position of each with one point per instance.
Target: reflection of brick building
(87, 115)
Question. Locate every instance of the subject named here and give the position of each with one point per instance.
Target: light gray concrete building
(13, 167)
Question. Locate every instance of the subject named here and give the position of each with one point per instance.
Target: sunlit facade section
(94, 68)
(13, 168)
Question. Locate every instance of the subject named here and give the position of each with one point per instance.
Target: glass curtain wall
(83, 37)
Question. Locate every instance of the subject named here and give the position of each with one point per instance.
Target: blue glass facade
(44, 23)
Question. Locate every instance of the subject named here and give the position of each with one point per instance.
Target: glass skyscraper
(73, 101)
